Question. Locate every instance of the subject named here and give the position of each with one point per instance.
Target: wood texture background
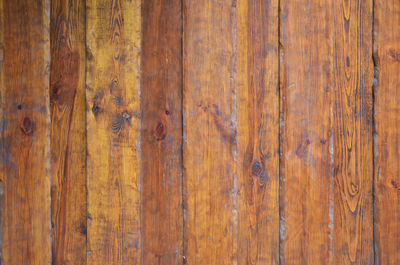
(199, 132)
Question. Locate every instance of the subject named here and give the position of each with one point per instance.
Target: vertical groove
(279, 128)
(183, 132)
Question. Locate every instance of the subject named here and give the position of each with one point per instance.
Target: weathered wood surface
(387, 131)
(353, 145)
(199, 132)
(68, 131)
(113, 38)
(258, 131)
(25, 132)
(306, 169)
(161, 124)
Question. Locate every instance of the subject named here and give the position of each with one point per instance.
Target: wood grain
(210, 152)
(113, 117)
(353, 133)
(68, 131)
(161, 144)
(387, 134)
(25, 132)
(258, 131)
(306, 169)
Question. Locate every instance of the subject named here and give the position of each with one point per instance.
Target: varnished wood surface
(68, 132)
(199, 132)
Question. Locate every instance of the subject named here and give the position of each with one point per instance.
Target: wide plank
(113, 37)
(161, 124)
(258, 131)
(306, 169)
(353, 132)
(210, 150)
(387, 131)
(25, 132)
(68, 131)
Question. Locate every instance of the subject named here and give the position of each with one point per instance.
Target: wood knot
(256, 169)
(160, 131)
(95, 108)
(27, 126)
(126, 116)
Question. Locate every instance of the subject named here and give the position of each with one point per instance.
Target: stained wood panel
(258, 131)
(25, 132)
(353, 133)
(68, 131)
(387, 131)
(113, 37)
(161, 143)
(306, 169)
(210, 132)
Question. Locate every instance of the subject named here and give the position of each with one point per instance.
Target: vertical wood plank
(25, 132)
(258, 131)
(306, 199)
(210, 151)
(353, 133)
(387, 126)
(68, 131)
(113, 118)
(162, 229)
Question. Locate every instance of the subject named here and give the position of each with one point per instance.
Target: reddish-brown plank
(161, 143)
(25, 132)
(210, 152)
(387, 134)
(258, 131)
(306, 197)
(353, 132)
(68, 131)
(113, 37)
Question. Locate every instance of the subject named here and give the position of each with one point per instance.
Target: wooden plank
(113, 118)
(162, 229)
(258, 132)
(210, 152)
(353, 133)
(306, 199)
(25, 132)
(68, 131)
(387, 135)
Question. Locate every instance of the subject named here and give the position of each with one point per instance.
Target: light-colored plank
(210, 153)
(306, 198)
(387, 126)
(258, 131)
(353, 133)
(68, 131)
(25, 132)
(113, 116)
(161, 145)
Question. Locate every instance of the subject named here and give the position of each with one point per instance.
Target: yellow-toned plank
(25, 132)
(113, 115)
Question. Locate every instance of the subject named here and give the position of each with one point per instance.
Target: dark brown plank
(210, 153)
(306, 198)
(68, 131)
(387, 126)
(25, 132)
(353, 133)
(258, 131)
(113, 117)
(161, 144)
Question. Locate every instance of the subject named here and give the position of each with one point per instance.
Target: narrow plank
(387, 135)
(258, 132)
(113, 117)
(162, 229)
(25, 132)
(210, 151)
(353, 133)
(306, 199)
(68, 131)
